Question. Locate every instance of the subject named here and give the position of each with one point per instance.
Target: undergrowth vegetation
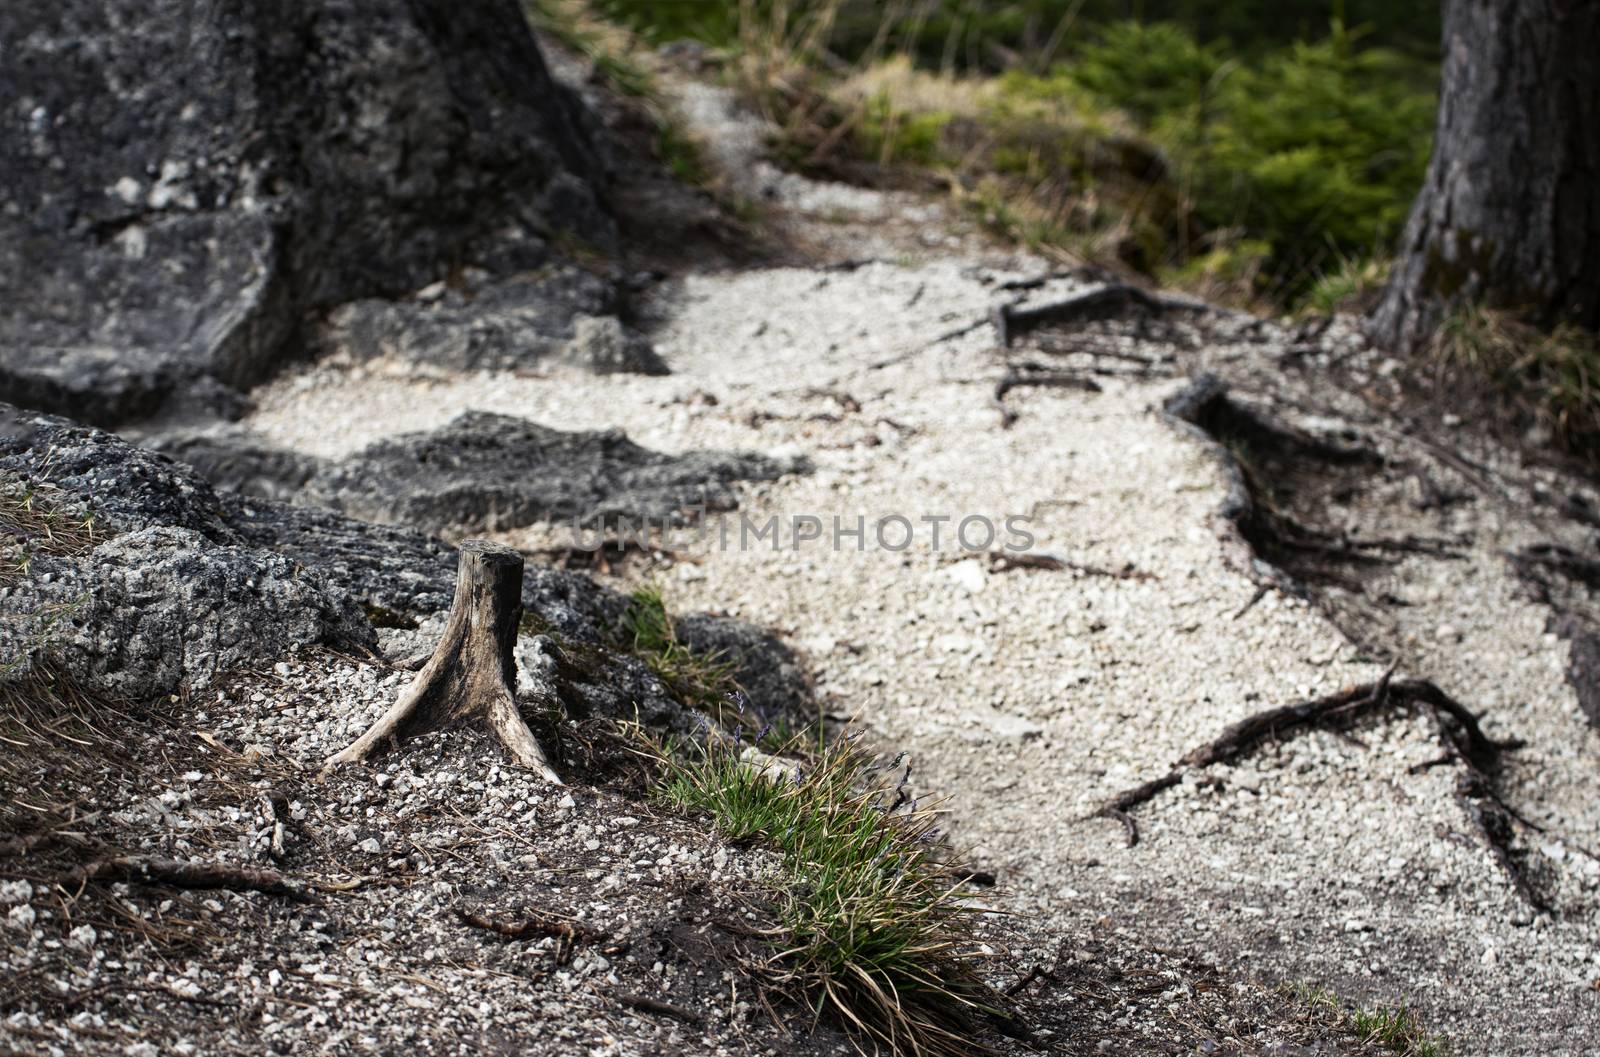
(1551, 378)
(1246, 156)
(1394, 1029)
(609, 49)
(874, 930)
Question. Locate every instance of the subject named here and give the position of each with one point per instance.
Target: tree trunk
(472, 673)
(1509, 216)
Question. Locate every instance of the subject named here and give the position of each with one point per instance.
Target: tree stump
(473, 670)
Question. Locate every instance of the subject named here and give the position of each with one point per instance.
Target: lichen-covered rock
(127, 488)
(150, 611)
(508, 324)
(180, 182)
(488, 471)
(174, 594)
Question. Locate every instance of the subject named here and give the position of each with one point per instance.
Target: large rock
(180, 182)
(127, 488)
(171, 595)
(151, 611)
(488, 471)
(559, 314)
(187, 583)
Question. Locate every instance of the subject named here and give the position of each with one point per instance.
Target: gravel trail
(1028, 695)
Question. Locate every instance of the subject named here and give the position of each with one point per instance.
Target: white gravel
(1028, 696)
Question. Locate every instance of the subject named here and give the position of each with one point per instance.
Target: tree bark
(1509, 216)
(472, 673)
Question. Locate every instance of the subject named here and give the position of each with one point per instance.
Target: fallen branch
(645, 1004)
(138, 869)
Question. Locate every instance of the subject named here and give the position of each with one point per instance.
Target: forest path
(1028, 695)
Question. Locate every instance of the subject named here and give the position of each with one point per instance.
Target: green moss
(381, 617)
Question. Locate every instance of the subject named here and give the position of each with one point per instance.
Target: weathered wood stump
(473, 670)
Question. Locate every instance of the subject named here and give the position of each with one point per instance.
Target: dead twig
(645, 1004)
(138, 869)
(566, 933)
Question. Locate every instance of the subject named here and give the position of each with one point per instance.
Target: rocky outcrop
(187, 583)
(173, 595)
(151, 611)
(487, 471)
(128, 488)
(556, 314)
(181, 182)
(484, 471)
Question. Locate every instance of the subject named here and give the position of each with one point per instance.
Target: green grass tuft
(701, 680)
(1396, 1029)
(873, 931)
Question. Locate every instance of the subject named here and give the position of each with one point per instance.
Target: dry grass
(614, 55)
(1551, 379)
(37, 519)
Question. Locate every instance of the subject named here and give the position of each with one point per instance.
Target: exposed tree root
(1028, 374)
(1106, 302)
(1459, 729)
(565, 933)
(139, 869)
(1558, 577)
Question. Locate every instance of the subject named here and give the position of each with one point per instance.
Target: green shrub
(1318, 151)
(1149, 70)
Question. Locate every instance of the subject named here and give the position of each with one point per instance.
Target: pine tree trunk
(1510, 214)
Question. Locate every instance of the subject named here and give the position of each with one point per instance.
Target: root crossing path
(1031, 690)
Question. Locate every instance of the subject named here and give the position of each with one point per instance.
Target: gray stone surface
(192, 582)
(159, 609)
(509, 324)
(181, 182)
(128, 488)
(487, 471)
